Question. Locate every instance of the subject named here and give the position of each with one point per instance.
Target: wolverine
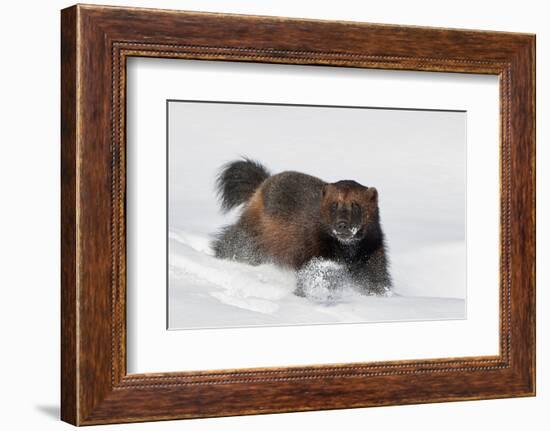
(291, 219)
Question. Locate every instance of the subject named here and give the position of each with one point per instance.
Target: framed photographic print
(267, 214)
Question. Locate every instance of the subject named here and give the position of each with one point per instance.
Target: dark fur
(238, 180)
(291, 218)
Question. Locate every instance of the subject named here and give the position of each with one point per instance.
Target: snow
(322, 280)
(207, 292)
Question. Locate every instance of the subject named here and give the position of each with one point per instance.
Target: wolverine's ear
(372, 194)
(324, 190)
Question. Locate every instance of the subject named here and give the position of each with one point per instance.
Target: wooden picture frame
(95, 43)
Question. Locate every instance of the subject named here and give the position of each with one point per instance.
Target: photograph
(295, 214)
(279, 210)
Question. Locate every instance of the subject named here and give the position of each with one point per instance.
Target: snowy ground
(206, 292)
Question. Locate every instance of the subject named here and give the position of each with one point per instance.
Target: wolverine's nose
(341, 225)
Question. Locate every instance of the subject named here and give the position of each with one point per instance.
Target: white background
(150, 81)
(29, 228)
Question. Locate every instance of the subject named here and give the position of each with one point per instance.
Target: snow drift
(206, 292)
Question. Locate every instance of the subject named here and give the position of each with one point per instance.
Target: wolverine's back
(290, 195)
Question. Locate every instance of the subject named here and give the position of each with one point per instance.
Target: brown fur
(293, 242)
(288, 243)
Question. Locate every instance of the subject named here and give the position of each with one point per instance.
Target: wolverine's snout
(342, 225)
(346, 222)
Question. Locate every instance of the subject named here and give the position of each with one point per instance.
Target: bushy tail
(238, 180)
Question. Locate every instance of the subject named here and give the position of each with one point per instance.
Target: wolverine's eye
(333, 206)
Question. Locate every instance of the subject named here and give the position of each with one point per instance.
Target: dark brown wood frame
(95, 43)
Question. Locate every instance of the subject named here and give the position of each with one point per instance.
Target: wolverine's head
(347, 209)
